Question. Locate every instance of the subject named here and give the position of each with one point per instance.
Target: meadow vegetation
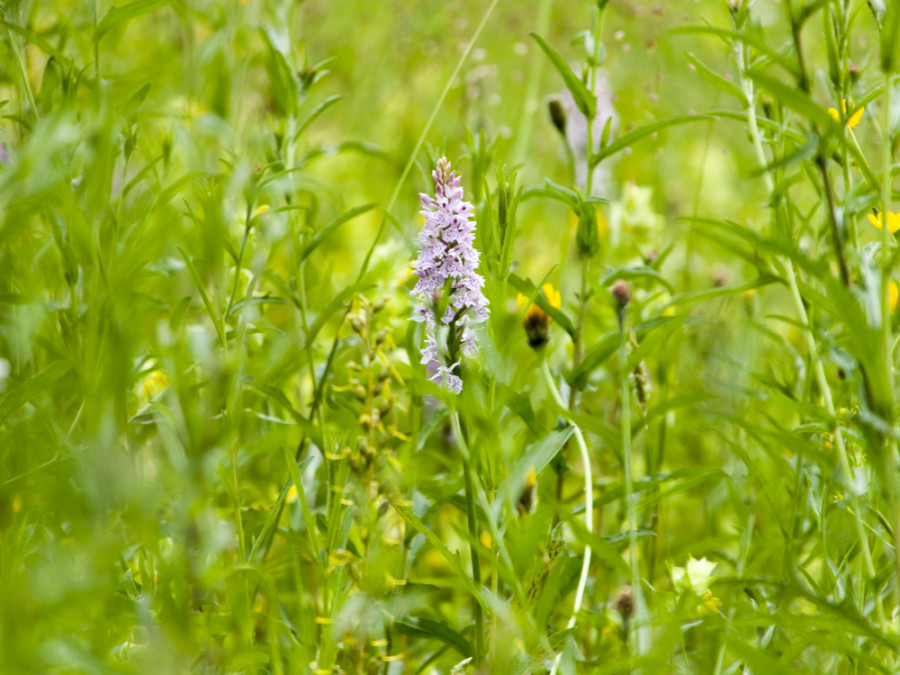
(616, 394)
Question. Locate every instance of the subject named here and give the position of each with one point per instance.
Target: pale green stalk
(473, 532)
(588, 506)
(642, 625)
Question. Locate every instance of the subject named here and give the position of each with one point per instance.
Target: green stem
(589, 179)
(588, 506)
(641, 624)
(473, 532)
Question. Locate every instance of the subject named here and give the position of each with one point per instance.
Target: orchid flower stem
(473, 532)
(588, 505)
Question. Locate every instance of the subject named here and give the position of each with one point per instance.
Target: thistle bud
(621, 294)
(625, 603)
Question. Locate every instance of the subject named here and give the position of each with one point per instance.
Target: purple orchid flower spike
(447, 263)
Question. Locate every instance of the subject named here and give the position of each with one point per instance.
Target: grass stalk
(588, 505)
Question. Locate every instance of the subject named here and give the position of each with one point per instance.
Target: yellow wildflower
(893, 296)
(153, 384)
(853, 120)
(893, 221)
(710, 605)
(536, 321)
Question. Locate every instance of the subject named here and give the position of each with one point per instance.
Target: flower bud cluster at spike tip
(448, 260)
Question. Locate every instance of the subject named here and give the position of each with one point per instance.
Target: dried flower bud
(621, 293)
(558, 114)
(625, 603)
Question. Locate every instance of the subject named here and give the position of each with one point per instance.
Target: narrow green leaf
(525, 287)
(422, 627)
(198, 282)
(716, 80)
(453, 560)
(316, 112)
(23, 392)
(747, 37)
(795, 99)
(123, 13)
(275, 513)
(322, 235)
(631, 273)
(536, 458)
(584, 99)
(634, 136)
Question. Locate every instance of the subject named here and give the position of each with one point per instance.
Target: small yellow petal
(893, 296)
(553, 296)
(854, 119)
(893, 222)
